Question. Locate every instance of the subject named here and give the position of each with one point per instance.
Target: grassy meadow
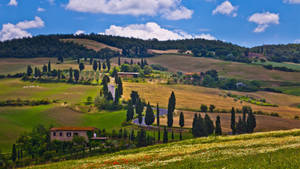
(16, 120)
(278, 149)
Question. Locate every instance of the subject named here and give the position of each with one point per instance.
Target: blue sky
(243, 22)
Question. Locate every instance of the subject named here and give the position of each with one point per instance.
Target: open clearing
(191, 97)
(185, 63)
(91, 44)
(278, 149)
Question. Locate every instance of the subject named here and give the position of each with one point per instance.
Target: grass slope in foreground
(278, 149)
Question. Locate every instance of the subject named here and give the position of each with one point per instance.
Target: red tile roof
(73, 129)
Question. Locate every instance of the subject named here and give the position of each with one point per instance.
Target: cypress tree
(233, 128)
(125, 134)
(132, 136)
(45, 68)
(149, 117)
(157, 115)
(120, 133)
(240, 126)
(173, 135)
(29, 70)
(120, 86)
(130, 111)
(108, 64)
(70, 75)
(181, 124)
(49, 66)
(78, 60)
(119, 61)
(209, 125)
(141, 138)
(131, 62)
(251, 122)
(165, 139)
(218, 126)
(212, 108)
(76, 75)
(117, 96)
(195, 126)
(103, 66)
(181, 120)
(203, 108)
(171, 108)
(81, 66)
(91, 61)
(14, 153)
(95, 65)
(202, 127)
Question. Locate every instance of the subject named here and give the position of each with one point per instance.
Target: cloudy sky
(243, 22)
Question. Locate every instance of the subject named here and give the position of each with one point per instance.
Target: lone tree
(130, 111)
(81, 66)
(212, 108)
(49, 66)
(181, 124)
(218, 126)
(233, 128)
(165, 139)
(209, 125)
(95, 65)
(171, 108)
(149, 117)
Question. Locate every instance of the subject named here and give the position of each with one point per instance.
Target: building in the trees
(128, 74)
(67, 133)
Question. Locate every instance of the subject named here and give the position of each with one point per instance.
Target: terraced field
(278, 149)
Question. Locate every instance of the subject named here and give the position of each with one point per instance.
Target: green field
(16, 120)
(277, 64)
(278, 149)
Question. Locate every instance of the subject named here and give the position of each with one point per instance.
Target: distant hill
(82, 45)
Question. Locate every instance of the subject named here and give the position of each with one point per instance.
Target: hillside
(90, 44)
(278, 149)
(51, 46)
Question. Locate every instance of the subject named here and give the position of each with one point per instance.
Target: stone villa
(67, 133)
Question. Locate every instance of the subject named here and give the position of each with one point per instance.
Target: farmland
(22, 119)
(187, 63)
(191, 97)
(278, 149)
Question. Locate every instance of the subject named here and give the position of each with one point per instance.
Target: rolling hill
(278, 149)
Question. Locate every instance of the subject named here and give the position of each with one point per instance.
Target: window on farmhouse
(60, 134)
(69, 134)
(54, 133)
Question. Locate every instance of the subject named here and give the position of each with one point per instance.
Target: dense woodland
(51, 46)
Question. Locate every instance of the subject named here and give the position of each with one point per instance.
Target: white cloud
(297, 41)
(52, 2)
(226, 8)
(79, 32)
(169, 9)
(151, 30)
(41, 9)
(264, 20)
(292, 1)
(13, 3)
(180, 13)
(10, 31)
